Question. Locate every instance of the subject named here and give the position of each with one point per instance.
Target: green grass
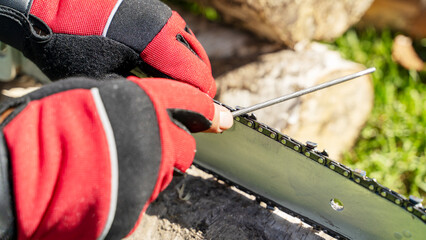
(391, 146)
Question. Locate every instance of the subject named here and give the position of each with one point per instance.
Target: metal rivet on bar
(249, 124)
(345, 173)
(332, 167)
(383, 194)
(296, 148)
(283, 141)
(321, 160)
(358, 180)
(397, 201)
(307, 154)
(410, 208)
(260, 129)
(272, 135)
(406, 234)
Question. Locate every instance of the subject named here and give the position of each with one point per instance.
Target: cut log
(207, 209)
(403, 15)
(289, 21)
(332, 117)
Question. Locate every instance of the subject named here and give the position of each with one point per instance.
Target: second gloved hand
(96, 38)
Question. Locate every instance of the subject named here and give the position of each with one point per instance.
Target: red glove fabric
(86, 156)
(177, 116)
(96, 38)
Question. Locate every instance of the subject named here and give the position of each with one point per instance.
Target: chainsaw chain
(357, 176)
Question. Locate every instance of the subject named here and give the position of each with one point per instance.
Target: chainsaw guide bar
(303, 182)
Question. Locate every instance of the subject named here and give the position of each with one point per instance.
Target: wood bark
(290, 21)
(195, 207)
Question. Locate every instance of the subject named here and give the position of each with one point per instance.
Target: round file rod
(302, 92)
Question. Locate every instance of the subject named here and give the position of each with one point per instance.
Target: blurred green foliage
(196, 9)
(391, 147)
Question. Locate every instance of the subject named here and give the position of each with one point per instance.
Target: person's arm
(96, 38)
(87, 157)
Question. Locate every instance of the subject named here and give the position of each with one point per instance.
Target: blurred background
(261, 49)
(264, 49)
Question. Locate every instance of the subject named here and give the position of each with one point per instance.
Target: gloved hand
(86, 155)
(96, 38)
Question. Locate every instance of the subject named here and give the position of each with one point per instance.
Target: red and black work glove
(86, 156)
(97, 38)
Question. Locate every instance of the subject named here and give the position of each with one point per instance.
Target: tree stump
(289, 21)
(196, 207)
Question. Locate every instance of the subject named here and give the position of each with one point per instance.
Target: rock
(289, 21)
(332, 117)
(215, 211)
(408, 16)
